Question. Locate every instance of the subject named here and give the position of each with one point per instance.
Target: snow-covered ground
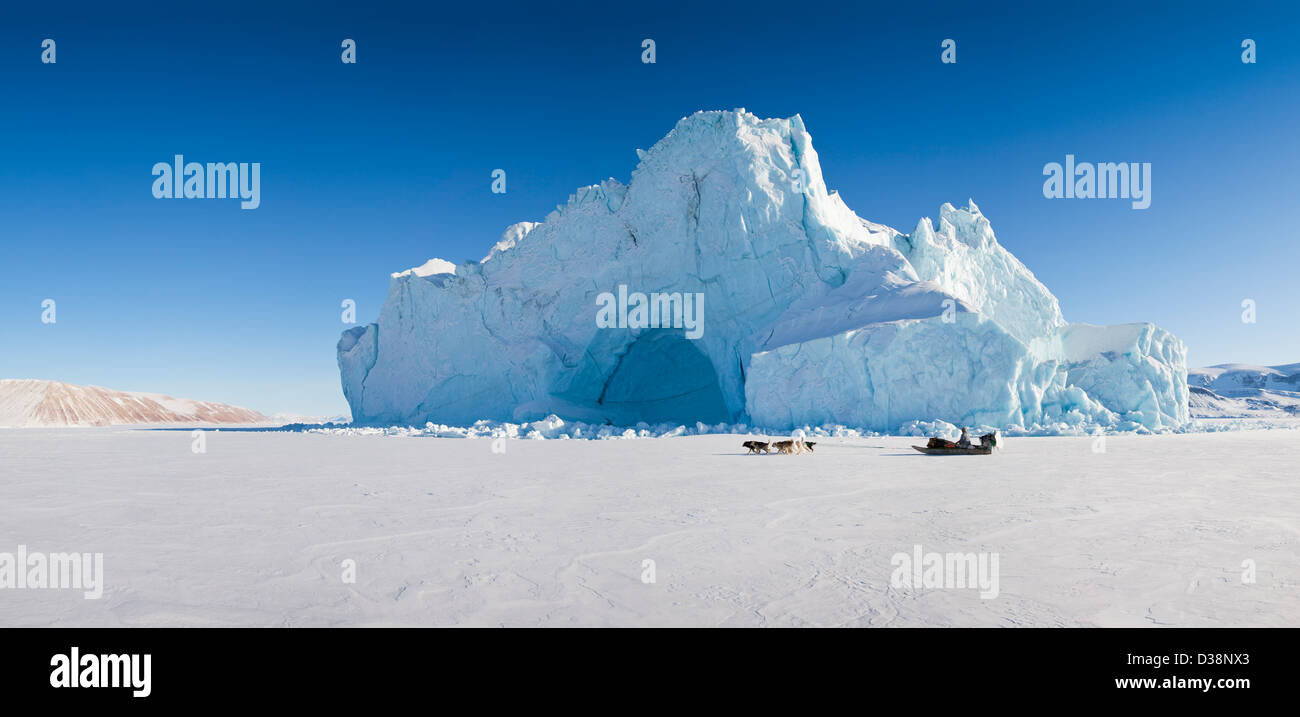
(1151, 531)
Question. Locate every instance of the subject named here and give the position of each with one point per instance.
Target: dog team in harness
(789, 448)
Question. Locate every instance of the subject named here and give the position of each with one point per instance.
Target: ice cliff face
(811, 314)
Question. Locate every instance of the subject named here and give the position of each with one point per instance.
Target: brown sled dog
(792, 447)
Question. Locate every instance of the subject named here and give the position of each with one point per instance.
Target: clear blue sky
(375, 167)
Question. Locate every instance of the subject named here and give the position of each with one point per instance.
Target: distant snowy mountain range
(30, 403)
(286, 419)
(1234, 390)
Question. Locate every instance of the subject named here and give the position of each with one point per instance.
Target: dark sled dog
(757, 447)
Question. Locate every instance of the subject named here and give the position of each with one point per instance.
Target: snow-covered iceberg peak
(810, 314)
(432, 267)
(963, 256)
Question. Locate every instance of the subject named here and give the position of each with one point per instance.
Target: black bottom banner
(144, 668)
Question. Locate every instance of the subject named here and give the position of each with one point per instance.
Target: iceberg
(814, 315)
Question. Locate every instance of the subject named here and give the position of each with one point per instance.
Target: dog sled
(943, 447)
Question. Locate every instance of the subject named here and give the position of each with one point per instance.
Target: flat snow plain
(1152, 531)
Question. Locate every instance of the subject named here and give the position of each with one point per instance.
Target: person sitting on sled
(964, 441)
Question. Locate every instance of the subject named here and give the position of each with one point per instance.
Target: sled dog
(757, 447)
(791, 447)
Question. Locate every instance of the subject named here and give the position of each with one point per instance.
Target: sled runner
(972, 451)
